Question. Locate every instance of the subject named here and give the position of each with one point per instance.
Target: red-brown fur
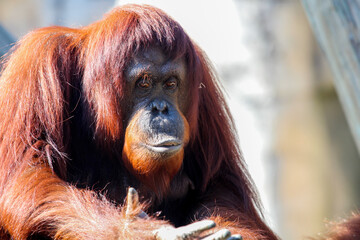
(62, 128)
(346, 230)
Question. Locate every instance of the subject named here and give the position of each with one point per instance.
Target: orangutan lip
(169, 146)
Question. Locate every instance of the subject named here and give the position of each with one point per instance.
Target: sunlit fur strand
(347, 229)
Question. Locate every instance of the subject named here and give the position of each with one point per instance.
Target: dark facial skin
(158, 93)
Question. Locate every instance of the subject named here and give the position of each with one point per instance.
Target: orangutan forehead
(153, 60)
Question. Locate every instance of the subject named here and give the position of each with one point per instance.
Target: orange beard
(154, 170)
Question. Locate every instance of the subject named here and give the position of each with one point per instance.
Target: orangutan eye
(171, 84)
(144, 82)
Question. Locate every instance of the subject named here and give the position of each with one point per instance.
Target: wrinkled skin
(157, 131)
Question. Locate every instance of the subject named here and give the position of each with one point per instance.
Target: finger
(196, 228)
(165, 233)
(235, 237)
(222, 234)
(132, 201)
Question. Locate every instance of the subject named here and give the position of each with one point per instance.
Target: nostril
(153, 107)
(159, 106)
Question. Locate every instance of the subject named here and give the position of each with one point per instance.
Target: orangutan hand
(191, 231)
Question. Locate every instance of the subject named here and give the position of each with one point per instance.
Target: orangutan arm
(37, 202)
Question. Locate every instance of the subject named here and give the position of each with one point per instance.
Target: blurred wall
(311, 156)
(22, 16)
(316, 151)
(291, 126)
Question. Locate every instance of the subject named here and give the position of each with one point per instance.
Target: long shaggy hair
(61, 83)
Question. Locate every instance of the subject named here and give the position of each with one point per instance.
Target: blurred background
(292, 128)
